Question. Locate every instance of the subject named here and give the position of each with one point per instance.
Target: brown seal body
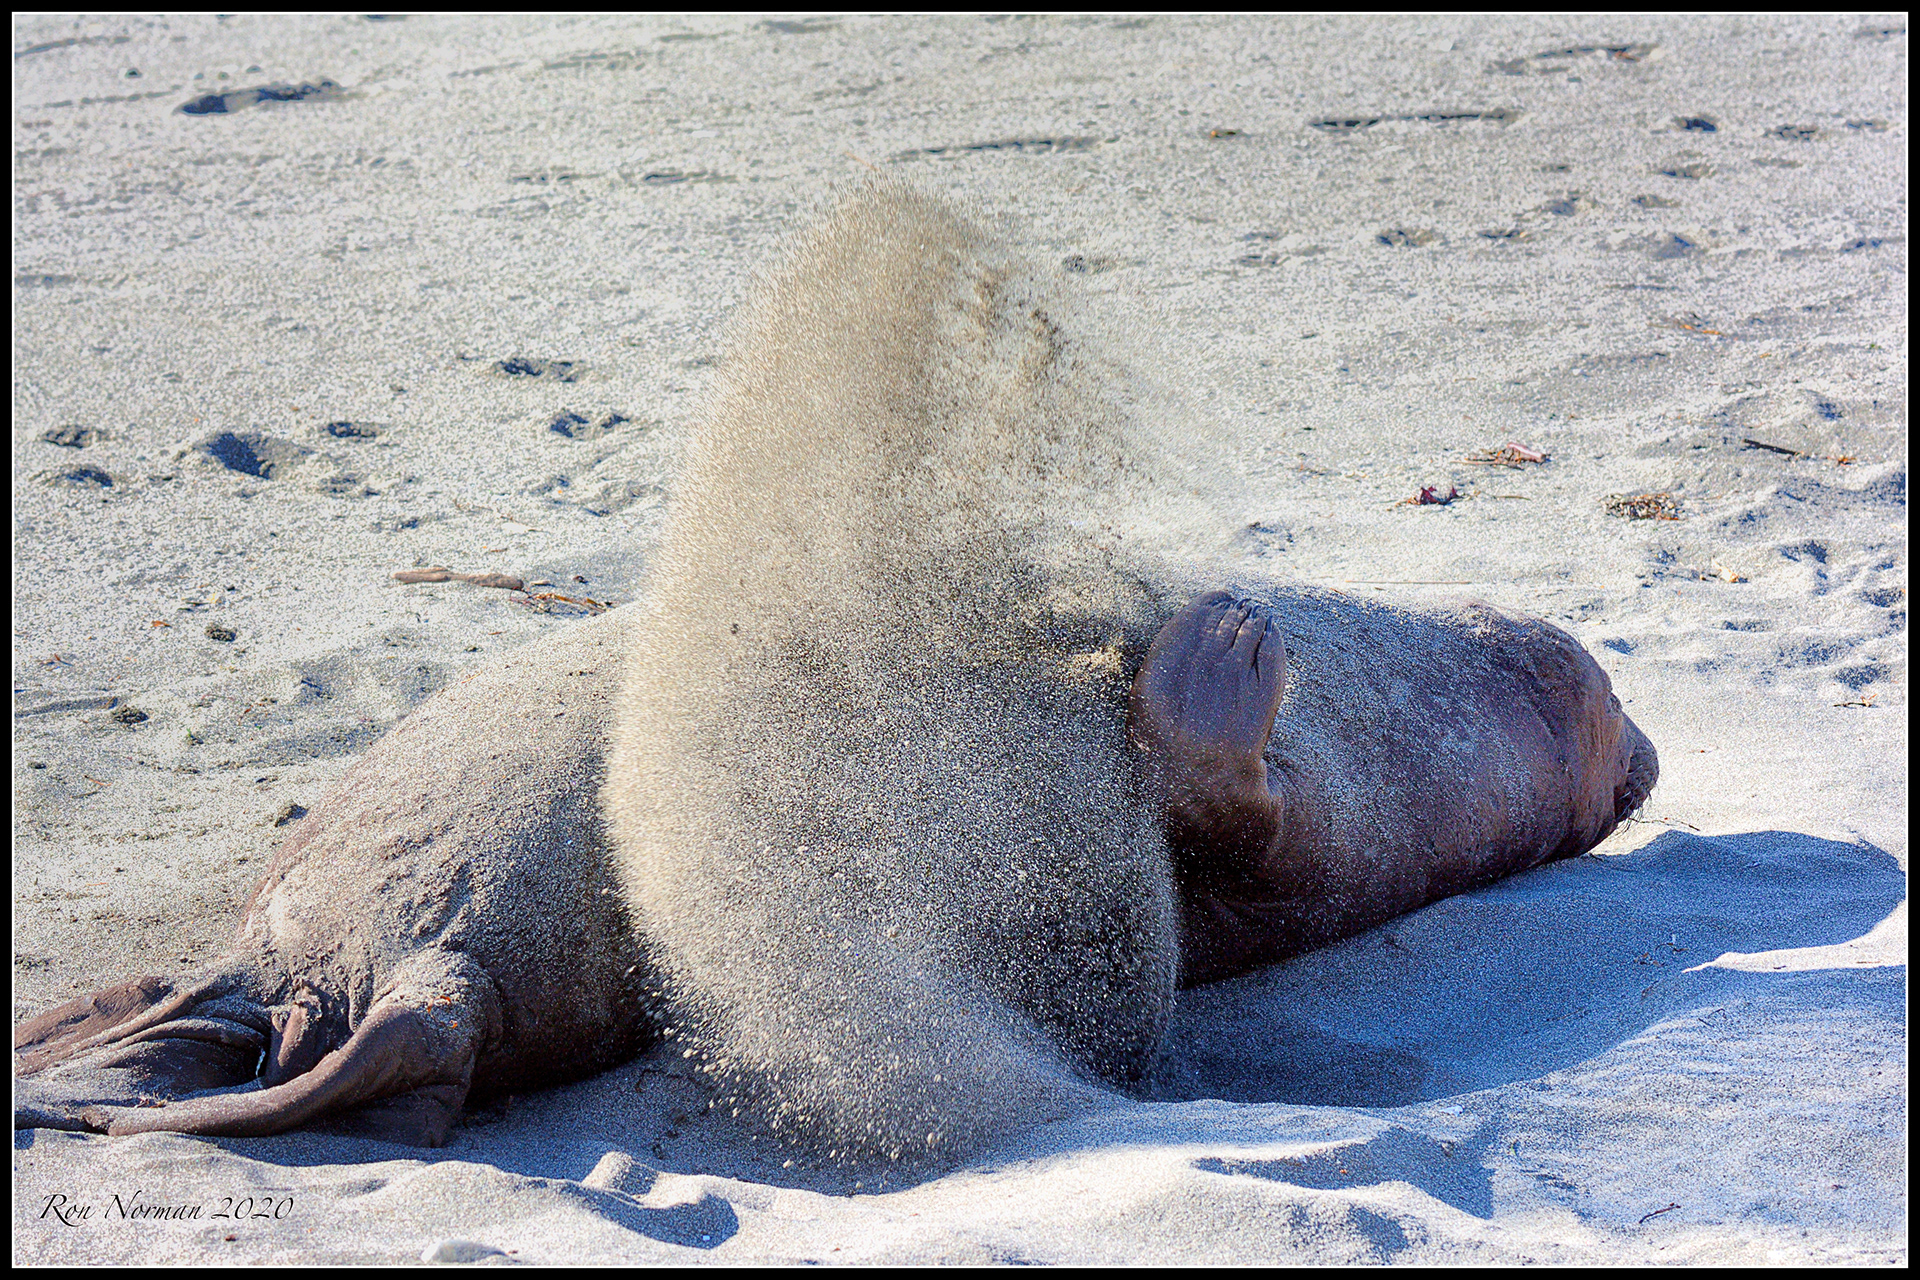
(442, 926)
(446, 925)
(1326, 763)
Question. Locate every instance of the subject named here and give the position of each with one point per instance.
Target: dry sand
(1363, 247)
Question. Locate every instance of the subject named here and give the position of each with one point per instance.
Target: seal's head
(1610, 765)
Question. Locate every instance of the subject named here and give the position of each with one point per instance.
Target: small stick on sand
(580, 602)
(1838, 459)
(1657, 1212)
(503, 581)
(1511, 454)
(1692, 324)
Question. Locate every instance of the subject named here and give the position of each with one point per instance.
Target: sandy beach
(300, 303)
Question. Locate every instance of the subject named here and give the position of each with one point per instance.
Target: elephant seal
(443, 925)
(927, 780)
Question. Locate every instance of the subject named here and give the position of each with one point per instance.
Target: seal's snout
(1643, 770)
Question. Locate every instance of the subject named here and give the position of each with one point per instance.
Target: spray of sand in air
(871, 787)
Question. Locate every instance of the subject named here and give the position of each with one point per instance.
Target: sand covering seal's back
(870, 784)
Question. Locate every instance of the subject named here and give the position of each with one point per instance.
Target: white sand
(1706, 1022)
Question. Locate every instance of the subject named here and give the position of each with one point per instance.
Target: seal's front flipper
(1202, 709)
(1212, 678)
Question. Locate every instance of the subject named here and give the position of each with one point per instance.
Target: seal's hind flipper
(412, 1057)
(187, 1055)
(192, 1055)
(111, 1014)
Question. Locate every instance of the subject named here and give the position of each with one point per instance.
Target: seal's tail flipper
(110, 1015)
(189, 1055)
(407, 1067)
(412, 1064)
